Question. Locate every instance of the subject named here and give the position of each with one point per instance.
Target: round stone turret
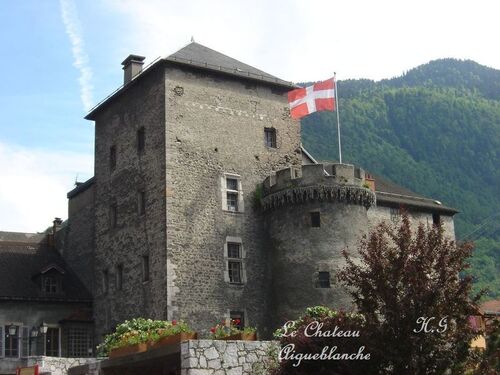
(312, 214)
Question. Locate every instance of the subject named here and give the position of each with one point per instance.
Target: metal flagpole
(338, 117)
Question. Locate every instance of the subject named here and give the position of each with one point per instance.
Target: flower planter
(175, 339)
(144, 346)
(127, 350)
(241, 336)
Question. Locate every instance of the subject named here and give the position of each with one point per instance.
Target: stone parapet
(317, 182)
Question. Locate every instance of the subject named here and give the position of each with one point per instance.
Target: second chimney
(132, 66)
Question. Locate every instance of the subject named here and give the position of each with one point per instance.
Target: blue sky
(61, 57)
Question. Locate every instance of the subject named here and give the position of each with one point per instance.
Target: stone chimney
(370, 181)
(132, 66)
(57, 224)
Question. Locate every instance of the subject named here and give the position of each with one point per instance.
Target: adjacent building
(44, 308)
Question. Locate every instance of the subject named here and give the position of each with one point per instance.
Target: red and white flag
(318, 97)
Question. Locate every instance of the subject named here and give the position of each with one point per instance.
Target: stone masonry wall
(378, 214)
(301, 251)
(57, 365)
(136, 235)
(78, 249)
(215, 125)
(217, 357)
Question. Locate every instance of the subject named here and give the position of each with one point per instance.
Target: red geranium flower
(212, 329)
(174, 322)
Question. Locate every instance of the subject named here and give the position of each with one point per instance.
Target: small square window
(232, 184)
(105, 282)
(113, 216)
(112, 157)
(436, 219)
(233, 250)
(145, 268)
(315, 219)
(50, 285)
(119, 277)
(324, 279)
(395, 215)
(238, 318)
(141, 202)
(270, 137)
(140, 140)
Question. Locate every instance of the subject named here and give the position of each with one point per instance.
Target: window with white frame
(50, 284)
(11, 341)
(234, 256)
(232, 193)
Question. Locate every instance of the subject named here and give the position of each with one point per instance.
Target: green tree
(403, 280)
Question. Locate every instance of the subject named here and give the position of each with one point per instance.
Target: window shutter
(25, 342)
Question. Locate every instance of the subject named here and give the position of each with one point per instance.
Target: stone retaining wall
(218, 357)
(57, 365)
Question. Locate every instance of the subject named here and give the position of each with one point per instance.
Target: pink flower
(174, 322)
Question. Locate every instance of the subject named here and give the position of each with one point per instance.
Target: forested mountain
(434, 130)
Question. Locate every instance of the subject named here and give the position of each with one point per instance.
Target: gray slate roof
(394, 195)
(199, 56)
(81, 187)
(23, 256)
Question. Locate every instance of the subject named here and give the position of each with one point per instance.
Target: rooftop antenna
(76, 180)
(192, 39)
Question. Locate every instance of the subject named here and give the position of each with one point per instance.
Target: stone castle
(204, 205)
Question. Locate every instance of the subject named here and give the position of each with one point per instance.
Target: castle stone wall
(135, 235)
(300, 251)
(215, 125)
(378, 214)
(78, 248)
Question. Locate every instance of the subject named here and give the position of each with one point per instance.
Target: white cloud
(73, 28)
(309, 40)
(34, 183)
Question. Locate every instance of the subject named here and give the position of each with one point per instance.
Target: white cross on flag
(318, 97)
